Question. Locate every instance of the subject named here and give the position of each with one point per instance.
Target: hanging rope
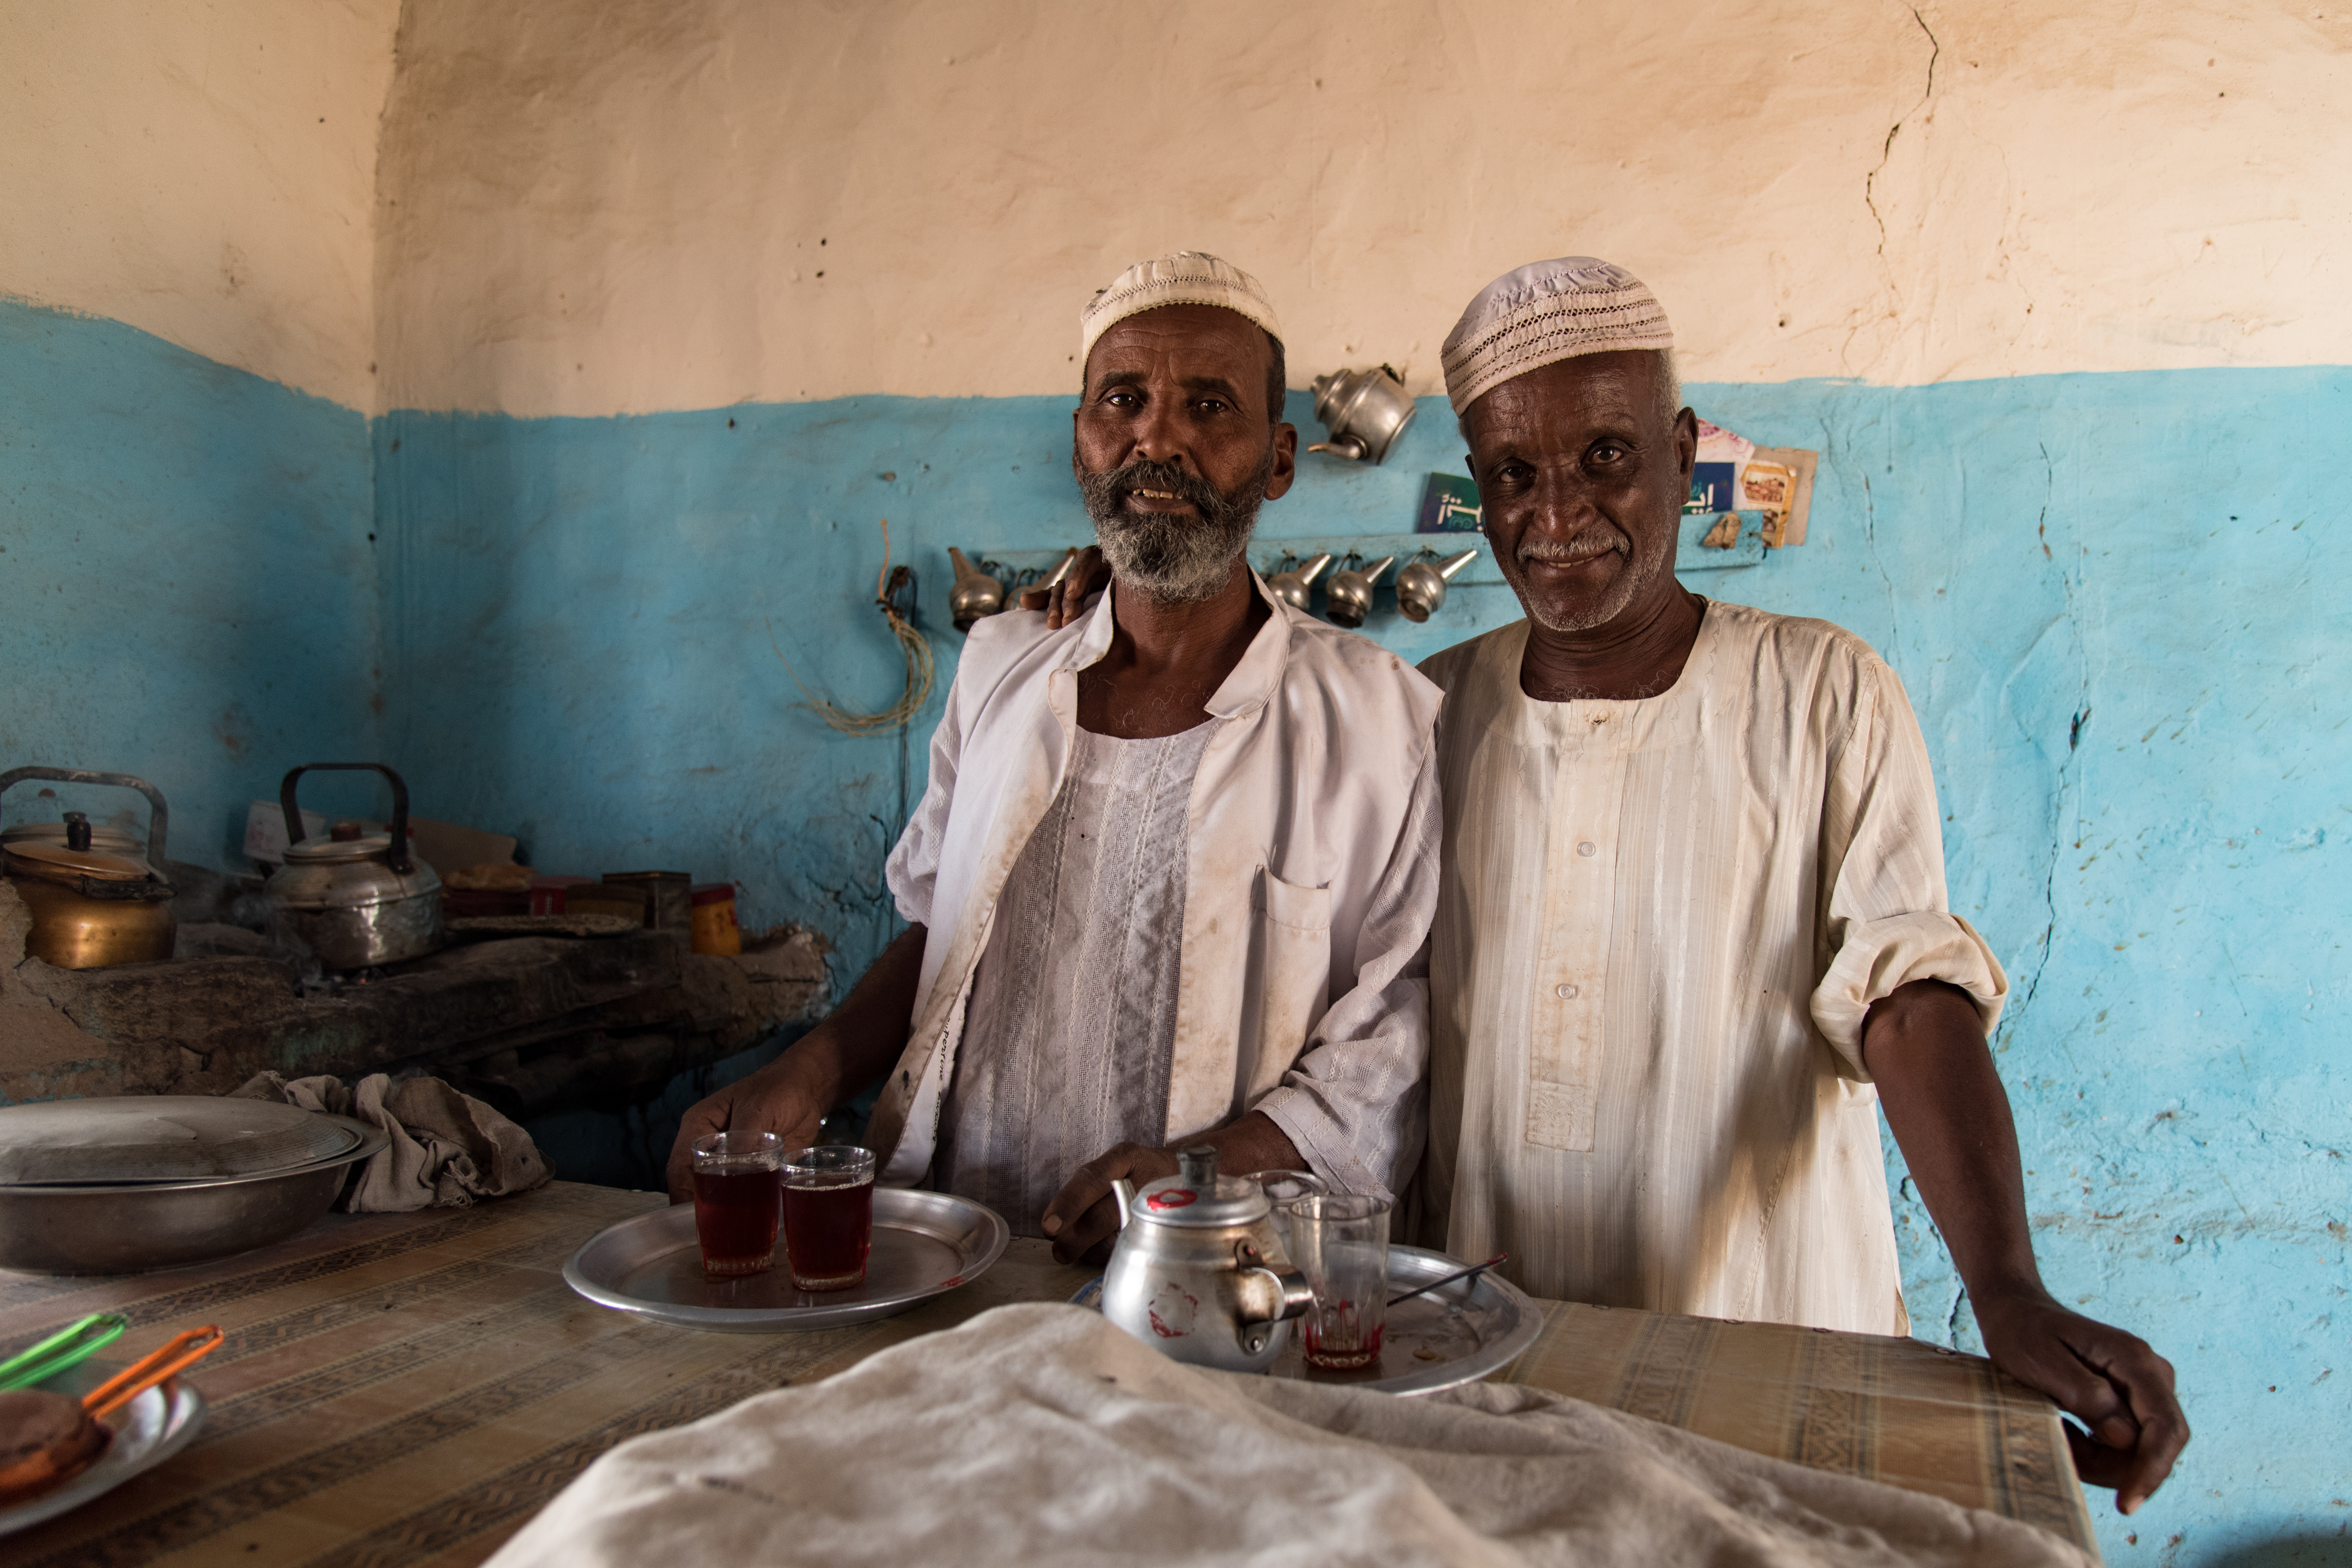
(889, 585)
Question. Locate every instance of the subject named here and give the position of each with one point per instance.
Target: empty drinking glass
(1340, 1242)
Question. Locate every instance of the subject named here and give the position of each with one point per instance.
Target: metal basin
(137, 1228)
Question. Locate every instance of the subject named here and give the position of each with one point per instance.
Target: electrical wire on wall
(890, 586)
(895, 595)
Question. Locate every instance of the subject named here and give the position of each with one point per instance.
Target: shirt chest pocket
(1289, 974)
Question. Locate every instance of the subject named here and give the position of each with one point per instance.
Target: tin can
(715, 931)
(666, 894)
(547, 893)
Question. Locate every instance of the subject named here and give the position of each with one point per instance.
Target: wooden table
(408, 1389)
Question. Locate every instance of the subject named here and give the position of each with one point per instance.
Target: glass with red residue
(828, 1216)
(1340, 1242)
(738, 1182)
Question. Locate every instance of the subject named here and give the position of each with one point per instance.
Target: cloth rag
(1042, 1434)
(446, 1149)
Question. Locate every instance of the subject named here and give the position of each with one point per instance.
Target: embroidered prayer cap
(1187, 277)
(1544, 312)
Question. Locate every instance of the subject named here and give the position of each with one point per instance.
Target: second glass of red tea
(737, 1181)
(828, 1216)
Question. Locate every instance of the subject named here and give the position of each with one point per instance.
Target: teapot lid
(1197, 1195)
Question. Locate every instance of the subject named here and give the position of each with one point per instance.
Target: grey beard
(1173, 560)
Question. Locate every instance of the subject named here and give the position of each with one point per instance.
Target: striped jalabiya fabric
(1661, 925)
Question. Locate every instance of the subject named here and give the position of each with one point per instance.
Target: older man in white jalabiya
(1692, 934)
(1173, 877)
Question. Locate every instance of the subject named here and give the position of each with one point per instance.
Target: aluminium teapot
(1190, 1275)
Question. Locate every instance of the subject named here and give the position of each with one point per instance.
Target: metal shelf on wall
(1700, 550)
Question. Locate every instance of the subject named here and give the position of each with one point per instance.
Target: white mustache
(1579, 549)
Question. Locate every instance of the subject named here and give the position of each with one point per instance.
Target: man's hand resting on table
(1924, 1046)
(2110, 1380)
(1083, 1218)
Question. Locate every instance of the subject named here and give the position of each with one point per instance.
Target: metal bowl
(137, 1228)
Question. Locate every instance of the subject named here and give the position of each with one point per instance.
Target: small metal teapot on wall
(1347, 596)
(1188, 1276)
(1364, 410)
(1421, 586)
(975, 594)
(1294, 586)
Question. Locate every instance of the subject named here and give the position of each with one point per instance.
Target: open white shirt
(1662, 923)
(1310, 876)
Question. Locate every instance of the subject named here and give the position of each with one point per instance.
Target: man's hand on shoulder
(771, 1100)
(1065, 601)
(2112, 1381)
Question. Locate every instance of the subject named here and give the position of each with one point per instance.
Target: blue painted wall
(2113, 598)
(187, 588)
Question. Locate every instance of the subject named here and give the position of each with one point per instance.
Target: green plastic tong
(66, 1348)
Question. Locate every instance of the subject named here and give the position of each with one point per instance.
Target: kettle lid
(40, 856)
(344, 841)
(1197, 1195)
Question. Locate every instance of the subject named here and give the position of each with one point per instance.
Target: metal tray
(1457, 1333)
(924, 1244)
(147, 1431)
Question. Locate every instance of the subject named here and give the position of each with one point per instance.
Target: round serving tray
(924, 1244)
(1457, 1333)
(148, 1430)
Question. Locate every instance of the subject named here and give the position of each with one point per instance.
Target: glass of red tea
(828, 1216)
(1340, 1242)
(737, 1181)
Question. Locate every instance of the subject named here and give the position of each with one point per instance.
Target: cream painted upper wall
(601, 205)
(203, 171)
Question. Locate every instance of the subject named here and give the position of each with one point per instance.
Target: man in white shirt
(1693, 931)
(1172, 880)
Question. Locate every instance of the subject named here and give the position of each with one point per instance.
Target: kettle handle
(158, 815)
(398, 860)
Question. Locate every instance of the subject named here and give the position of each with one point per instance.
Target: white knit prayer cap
(1187, 277)
(1544, 312)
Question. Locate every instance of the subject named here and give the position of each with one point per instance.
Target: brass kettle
(95, 901)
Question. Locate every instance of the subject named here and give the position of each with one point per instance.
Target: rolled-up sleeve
(1355, 1102)
(1885, 922)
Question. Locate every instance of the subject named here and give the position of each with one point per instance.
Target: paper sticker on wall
(1449, 505)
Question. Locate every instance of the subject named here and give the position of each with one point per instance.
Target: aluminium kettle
(354, 899)
(93, 891)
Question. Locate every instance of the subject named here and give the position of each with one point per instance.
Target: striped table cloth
(408, 1389)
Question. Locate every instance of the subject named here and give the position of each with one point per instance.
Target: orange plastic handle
(179, 1353)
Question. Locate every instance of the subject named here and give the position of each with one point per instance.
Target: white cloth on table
(1310, 872)
(1043, 1435)
(1073, 1015)
(446, 1149)
(1662, 923)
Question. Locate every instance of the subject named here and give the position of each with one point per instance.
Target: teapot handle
(158, 815)
(398, 860)
(1124, 1191)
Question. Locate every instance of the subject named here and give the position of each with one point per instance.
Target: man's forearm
(1924, 1046)
(861, 1040)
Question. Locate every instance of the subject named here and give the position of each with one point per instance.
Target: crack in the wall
(1887, 150)
(2074, 733)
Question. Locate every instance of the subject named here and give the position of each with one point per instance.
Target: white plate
(1457, 1333)
(924, 1244)
(147, 1431)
